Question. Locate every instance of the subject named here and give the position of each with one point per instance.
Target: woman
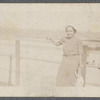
(72, 52)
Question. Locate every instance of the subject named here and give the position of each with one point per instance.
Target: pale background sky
(84, 17)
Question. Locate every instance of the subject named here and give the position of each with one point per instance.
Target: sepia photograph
(50, 50)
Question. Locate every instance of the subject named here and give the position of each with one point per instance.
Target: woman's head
(70, 30)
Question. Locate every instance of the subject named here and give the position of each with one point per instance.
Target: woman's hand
(50, 39)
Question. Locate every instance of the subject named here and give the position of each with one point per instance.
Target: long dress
(66, 74)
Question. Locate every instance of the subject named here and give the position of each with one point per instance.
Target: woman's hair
(71, 27)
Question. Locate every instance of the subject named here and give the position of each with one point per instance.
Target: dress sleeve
(80, 47)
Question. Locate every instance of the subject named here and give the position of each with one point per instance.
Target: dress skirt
(66, 74)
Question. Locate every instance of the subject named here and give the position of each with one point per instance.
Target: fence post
(85, 47)
(17, 70)
(10, 71)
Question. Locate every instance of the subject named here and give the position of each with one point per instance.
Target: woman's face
(70, 32)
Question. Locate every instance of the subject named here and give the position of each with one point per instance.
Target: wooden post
(10, 71)
(17, 70)
(84, 62)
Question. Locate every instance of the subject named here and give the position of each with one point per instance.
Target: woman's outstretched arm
(56, 43)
